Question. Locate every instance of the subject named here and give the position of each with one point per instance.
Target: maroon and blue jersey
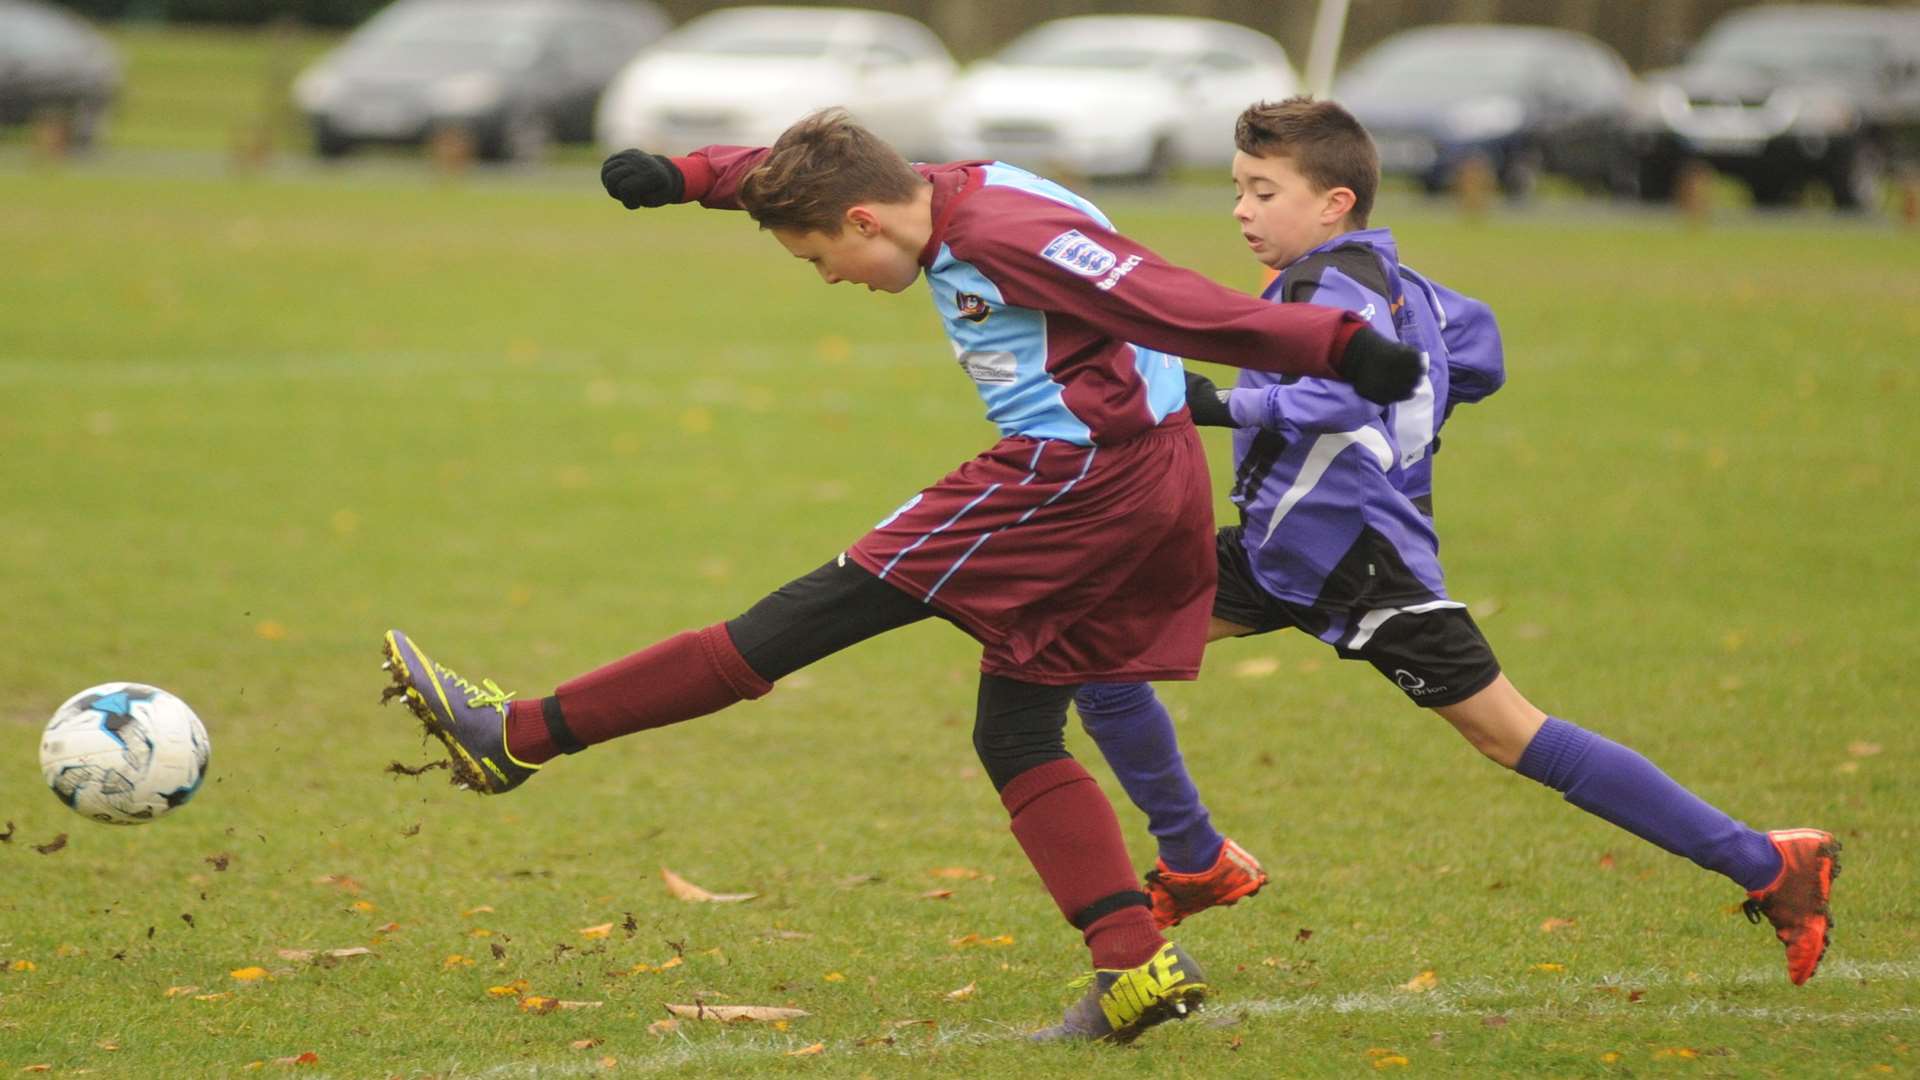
(1069, 330)
(1335, 491)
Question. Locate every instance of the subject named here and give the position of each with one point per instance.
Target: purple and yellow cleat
(470, 719)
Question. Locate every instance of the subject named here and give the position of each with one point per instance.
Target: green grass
(250, 423)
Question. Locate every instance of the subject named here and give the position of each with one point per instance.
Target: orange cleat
(1796, 902)
(1235, 874)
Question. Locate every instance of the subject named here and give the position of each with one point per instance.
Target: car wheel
(1773, 189)
(1857, 175)
(523, 136)
(330, 144)
(1161, 159)
(1659, 176)
(1520, 173)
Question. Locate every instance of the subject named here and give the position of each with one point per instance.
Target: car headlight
(315, 89)
(1484, 118)
(473, 92)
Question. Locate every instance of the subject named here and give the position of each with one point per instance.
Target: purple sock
(1612, 782)
(1135, 734)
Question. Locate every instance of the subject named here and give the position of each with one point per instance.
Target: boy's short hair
(1327, 145)
(819, 168)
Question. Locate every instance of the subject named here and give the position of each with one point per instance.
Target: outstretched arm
(1051, 257)
(710, 176)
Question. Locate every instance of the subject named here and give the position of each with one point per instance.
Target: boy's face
(1281, 214)
(861, 252)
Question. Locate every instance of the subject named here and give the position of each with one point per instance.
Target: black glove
(1207, 402)
(1381, 370)
(638, 179)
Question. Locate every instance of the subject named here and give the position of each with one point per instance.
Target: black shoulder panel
(1357, 261)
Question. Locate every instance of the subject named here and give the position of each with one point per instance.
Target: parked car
(513, 74)
(741, 75)
(1116, 95)
(1525, 99)
(1781, 97)
(54, 62)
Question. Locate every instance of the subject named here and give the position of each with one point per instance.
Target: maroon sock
(690, 674)
(1066, 826)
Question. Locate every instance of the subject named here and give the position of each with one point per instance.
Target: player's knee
(1097, 702)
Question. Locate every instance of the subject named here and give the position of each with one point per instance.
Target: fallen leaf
(481, 931)
(108, 1045)
(808, 1051)
(834, 976)
(387, 929)
(456, 960)
(1549, 968)
(23, 965)
(483, 909)
(1635, 995)
(936, 894)
(295, 955)
(725, 1013)
(410, 831)
(682, 889)
(965, 993)
(347, 954)
(180, 991)
(1686, 1052)
(609, 1062)
(662, 1028)
(969, 941)
(1421, 983)
(308, 1058)
(222, 996)
(958, 873)
(578, 1004)
(512, 989)
(362, 906)
(600, 931)
(1610, 1057)
(37, 1068)
(339, 881)
(52, 845)
(1258, 667)
(1863, 749)
(1553, 924)
(585, 1044)
(1494, 1021)
(249, 974)
(1389, 1061)
(1606, 861)
(218, 862)
(1303, 935)
(538, 1005)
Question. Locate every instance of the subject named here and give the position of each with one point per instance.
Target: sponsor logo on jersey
(1113, 276)
(973, 307)
(1079, 254)
(990, 368)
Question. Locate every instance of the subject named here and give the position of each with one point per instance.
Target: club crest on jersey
(972, 307)
(1079, 254)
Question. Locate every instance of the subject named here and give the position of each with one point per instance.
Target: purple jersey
(1068, 329)
(1334, 491)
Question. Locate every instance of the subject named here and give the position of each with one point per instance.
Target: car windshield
(505, 36)
(1055, 49)
(1445, 68)
(753, 37)
(27, 32)
(1845, 54)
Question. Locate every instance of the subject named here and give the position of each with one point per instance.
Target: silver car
(512, 74)
(52, 62)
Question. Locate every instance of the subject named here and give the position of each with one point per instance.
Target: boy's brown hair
(819, 168)
(1327, 145)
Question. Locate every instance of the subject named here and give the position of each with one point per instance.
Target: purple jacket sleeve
(1051, 257)
(1316, 405)
(713, 174)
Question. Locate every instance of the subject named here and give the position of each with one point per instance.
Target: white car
(740, 76)
(1116, 95)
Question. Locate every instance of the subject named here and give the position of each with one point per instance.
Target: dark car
(1524, 99)
(52, 62)
(1781, 97)
(512, 74)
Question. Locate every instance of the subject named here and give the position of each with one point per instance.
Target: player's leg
(1067, 828)
(497, 743)
(1440, 659)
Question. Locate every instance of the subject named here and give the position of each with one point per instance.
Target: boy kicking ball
(1079, 547)
(1337, 540)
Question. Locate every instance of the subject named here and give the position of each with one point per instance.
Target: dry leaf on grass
(1551, 925)
(958, 873)
(180, 991)
(1421, 983)
(249, 974)
(969, 941)
(808, 1051)
(936, 894)
(1549, 968)
(682, 889)
(585, 1044)
(52, 845)
(728, 1013)
(308, 1058)
(965, 993)
(600, 931)
(663, 1028)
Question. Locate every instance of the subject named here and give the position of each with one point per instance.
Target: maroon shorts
(1070, 563)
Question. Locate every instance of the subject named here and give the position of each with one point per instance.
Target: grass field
(249, 424)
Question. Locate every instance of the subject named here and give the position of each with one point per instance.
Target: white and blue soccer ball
(124, 753)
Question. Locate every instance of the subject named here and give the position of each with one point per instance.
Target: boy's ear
(863, 221)
(1339, 204)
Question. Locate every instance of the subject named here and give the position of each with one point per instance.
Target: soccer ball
(124, 753)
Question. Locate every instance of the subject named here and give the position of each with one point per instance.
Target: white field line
(1467, 997)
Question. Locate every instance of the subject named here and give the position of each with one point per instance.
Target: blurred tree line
(1649, 33)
